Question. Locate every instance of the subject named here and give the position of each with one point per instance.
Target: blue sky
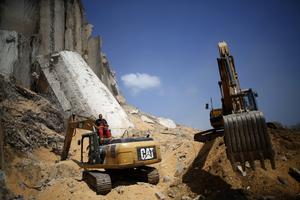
(164, 53)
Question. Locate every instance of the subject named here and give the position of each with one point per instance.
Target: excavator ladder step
(247, 139)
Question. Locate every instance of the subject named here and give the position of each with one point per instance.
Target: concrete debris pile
(26, 117)
(189, 170)
(163, 124)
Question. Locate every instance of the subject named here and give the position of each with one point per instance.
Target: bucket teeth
(246, 139)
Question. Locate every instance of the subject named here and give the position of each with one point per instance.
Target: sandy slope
(188, 169)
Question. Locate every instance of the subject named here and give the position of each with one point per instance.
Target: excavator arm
(73, 123)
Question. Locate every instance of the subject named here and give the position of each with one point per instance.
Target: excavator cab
(249, 100)
(96, 153)
(246, 99)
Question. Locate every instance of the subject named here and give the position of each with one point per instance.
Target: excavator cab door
(93, 148)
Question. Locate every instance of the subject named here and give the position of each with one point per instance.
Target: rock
(282, 180)
(186, 198)
(72, 190)
(171, 193)
(147, 119)
(284, 158)
(295, 173)
(70, 185)
(182, 157)
(134, 111)
(141, 183)
(51, 182)
(240, 169)
(199, 197)
(168, 123)
(176, 182)
(176, 146)
(2, 178)
(179, 169)
(121, 99)
(247, 164)
(166, 179)
(120, 190)
(160, 195)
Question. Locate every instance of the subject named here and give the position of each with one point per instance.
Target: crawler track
(98, 181)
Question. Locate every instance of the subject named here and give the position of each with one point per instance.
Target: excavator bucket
(246, 139)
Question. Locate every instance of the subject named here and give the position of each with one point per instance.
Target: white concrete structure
(80, 91)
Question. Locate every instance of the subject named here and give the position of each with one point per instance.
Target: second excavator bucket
(247, 139)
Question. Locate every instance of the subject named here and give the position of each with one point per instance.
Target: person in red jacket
(103, 130)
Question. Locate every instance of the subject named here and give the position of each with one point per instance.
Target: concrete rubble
(147, 119)
(168, 123)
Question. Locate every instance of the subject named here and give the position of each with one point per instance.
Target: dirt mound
(189, 169)
(221, 182)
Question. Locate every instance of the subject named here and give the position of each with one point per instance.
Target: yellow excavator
(239, 121)
(115, 157)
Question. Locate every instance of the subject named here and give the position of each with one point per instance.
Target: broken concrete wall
(21, 69)
(80, 91)
(57, 25)
(16, 54)
(8, 52)
(108, 76)
(74, 26)
(69, 29)
(86, 35)
(52, 26)
(93, 55)
(21, 16)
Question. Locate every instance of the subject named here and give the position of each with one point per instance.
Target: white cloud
(138, 82)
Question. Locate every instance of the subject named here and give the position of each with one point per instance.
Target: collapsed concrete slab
(80, 91)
